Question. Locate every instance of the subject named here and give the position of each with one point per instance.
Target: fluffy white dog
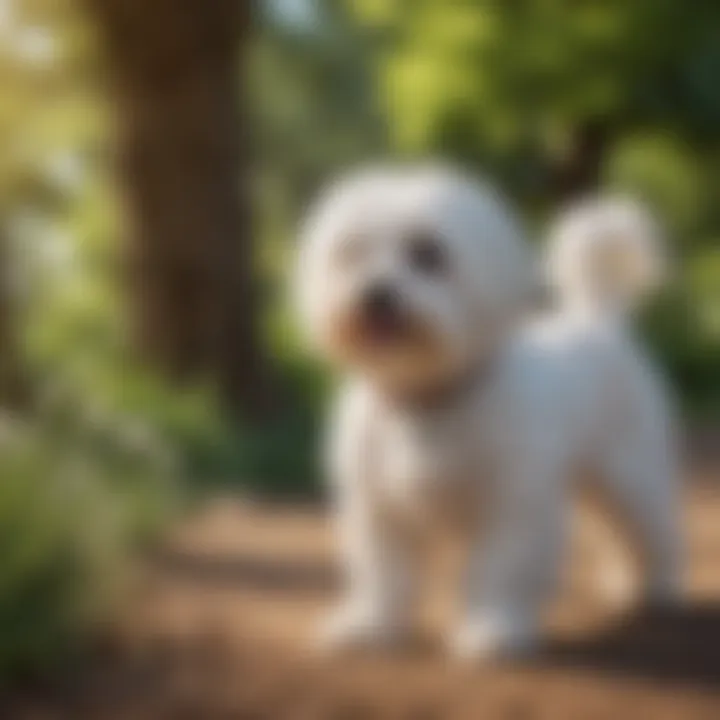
(459, 408)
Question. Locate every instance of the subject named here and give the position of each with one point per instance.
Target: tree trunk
(14, 390)
(578, 171)
(183, 161)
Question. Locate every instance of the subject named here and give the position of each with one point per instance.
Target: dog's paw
(348, 629)
(485, 638)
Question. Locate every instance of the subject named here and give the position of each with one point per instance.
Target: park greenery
(102, 437)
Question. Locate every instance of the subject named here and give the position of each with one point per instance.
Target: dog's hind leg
(640, 479)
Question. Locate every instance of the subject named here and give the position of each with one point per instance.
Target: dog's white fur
(483, 423)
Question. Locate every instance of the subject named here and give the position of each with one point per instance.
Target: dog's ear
(326, 222)
(319, 230)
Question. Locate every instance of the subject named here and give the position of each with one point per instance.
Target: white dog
(458, 408)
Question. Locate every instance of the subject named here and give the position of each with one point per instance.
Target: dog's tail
(605, 255)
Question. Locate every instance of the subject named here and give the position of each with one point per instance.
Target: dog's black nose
(380, 301)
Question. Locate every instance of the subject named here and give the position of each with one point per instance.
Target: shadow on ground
(679, 645)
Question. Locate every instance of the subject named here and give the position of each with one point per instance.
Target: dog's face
(410, 276)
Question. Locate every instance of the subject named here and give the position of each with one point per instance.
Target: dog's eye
(426, 254)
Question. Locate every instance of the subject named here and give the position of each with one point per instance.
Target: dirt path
(221, 627)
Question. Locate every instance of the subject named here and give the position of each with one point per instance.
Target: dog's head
(410, 275)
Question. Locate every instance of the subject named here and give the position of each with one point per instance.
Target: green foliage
(277, 458)
(667, 174)
(79, 492)
(314, 107)
(512, 73)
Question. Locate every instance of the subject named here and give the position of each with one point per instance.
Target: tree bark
(183, 160)
(14, 388)
(578, 171)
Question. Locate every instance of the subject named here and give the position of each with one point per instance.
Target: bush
(77, 495)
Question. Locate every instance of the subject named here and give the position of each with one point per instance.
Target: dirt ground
(222, 619)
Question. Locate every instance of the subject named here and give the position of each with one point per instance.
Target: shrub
(75, 498)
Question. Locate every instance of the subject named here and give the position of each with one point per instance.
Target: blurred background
(155, 158)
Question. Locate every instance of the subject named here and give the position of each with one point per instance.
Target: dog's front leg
(378, 573)
(513, 567)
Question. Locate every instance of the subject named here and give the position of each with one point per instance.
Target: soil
(221, 625)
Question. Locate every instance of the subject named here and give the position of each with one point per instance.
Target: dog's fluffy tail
(605, 255)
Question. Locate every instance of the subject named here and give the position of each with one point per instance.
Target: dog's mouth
(380, 318)
(381, 327)
(382, 331)
(366, 337)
